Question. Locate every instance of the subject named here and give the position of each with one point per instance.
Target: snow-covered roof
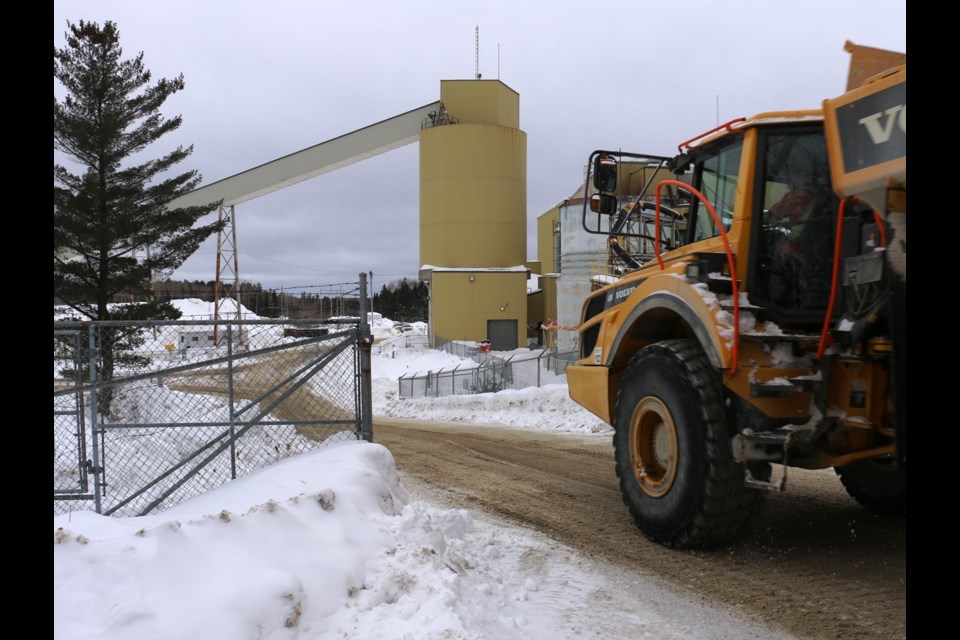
(518, 269)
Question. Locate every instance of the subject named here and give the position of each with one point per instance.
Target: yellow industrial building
(473, 208)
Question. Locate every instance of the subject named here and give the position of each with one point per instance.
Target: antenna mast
(476, 59)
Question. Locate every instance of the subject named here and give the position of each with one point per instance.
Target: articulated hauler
(765, 322)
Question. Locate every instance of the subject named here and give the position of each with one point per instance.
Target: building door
(502, 334)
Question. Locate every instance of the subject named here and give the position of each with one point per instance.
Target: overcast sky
(267, 79)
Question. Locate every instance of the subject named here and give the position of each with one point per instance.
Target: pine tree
(113, 229)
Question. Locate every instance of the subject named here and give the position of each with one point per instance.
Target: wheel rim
(653, 446)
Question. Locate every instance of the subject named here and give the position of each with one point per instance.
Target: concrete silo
(473, 204)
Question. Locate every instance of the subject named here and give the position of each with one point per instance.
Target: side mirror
(603, 203)
(605, 173)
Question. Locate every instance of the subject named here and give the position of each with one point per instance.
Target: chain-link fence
(404, 341)
(147, 414)
(490, 373)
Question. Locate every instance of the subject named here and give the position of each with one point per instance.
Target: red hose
(882, 226)
(822, 346)
(836, 268)
(730, 262)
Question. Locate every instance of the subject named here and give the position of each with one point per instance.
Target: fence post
(233, 442)
(93, 466)
(364, 340)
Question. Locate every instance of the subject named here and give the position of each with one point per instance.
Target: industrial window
(718, 183)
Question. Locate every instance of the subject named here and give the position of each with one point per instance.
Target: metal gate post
(94, 465)
(233, 415)
(364, 340)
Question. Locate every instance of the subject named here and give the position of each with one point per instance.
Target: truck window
(718, 182)
(796, 230)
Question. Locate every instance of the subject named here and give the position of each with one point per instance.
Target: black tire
(879, 485)
(673, 455)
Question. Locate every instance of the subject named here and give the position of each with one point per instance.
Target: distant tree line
(266, 303)
(402, 301)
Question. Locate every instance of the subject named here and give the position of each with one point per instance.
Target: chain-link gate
(69, 426)
(147, 414)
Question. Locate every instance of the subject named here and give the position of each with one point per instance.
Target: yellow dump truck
(768, 329)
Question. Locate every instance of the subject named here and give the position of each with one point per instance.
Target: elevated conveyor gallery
(333, 154)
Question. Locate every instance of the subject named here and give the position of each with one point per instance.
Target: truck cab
(764, 334)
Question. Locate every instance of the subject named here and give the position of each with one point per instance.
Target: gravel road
(813, 564)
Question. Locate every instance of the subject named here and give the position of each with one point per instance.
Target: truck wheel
(879, 485)
(673, 457)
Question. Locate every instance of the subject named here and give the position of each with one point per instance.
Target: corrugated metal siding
(545, 241)
(549, 286)
(461, 308)
(473, 196)
(535, 312)
(509, 107)
(580, 251)
(638, 177)
(535, 307)
(481, 102)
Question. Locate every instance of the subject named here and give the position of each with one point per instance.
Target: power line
(298, 266)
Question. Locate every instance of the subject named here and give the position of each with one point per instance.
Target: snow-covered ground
(331, 544)
(548, 407)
